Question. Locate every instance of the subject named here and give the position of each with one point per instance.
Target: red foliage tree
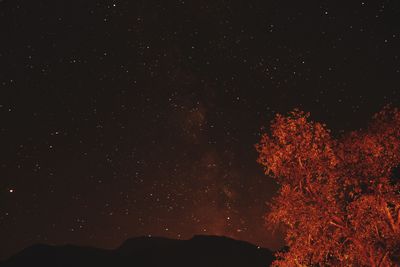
(337, 202)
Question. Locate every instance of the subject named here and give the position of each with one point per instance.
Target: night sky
(130, 118)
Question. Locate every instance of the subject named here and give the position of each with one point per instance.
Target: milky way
(129, 118)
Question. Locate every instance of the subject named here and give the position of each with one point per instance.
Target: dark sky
(127, 118)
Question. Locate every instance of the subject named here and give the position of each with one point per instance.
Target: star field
(129, 118)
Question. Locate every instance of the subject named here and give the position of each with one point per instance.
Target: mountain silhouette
(204, 251)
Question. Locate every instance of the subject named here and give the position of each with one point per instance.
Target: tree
(337, 202)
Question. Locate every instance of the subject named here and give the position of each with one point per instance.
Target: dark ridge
(198, 251)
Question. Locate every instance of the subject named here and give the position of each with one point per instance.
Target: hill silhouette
(204, 251)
